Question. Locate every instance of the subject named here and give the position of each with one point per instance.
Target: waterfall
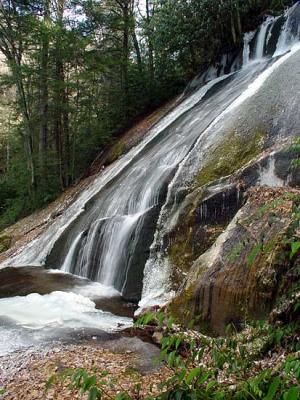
(261, 38)
(114, 232)
(246, 50)
(67, 265)
(290, 32)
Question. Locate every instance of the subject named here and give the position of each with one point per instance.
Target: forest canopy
(76, 73)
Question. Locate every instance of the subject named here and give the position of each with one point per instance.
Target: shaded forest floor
(128, 362)
(130, 366)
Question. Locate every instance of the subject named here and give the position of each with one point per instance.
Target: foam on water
(58, 310)
(95, 290)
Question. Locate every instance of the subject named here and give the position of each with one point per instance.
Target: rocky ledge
(232, 246)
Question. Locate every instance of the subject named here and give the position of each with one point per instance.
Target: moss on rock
(230, 155)
(5, 243)
(117, 150)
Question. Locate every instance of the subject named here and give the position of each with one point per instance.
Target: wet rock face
(132, 288)
(206, 211)
(203, 219)
(238, 276)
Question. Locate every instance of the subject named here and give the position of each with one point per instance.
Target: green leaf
(193, 374)
(170, 323)
(210, 385)
(177, 344)
(203, 378)
(171, 358)
(121, 396)
(89, 382)
(148, 317)
(94, 394)
(273, 389)
(292, 394)
(181, 375)
(178, 395)
(295, 246)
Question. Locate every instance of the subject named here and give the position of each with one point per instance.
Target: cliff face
(232, 226)
(237, 276)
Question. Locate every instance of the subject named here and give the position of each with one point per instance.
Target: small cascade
(261, 39)
(267, 175)
(290, 32)
(67, 265)
(246, 50)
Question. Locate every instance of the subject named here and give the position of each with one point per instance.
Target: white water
(258, 83)
(35, 253)
(268, 177)
(34, 320)
(158, 268)
(58, 310)
(246, 50)
(67, 265)
(287, 38)
(261, 38)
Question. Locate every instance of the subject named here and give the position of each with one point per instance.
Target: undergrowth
(262, 362)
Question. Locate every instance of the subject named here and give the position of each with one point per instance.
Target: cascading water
(246, 50)
(117, 225)
(261, 38)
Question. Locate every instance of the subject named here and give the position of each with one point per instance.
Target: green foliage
(198, 363)
(96, 387)
(295, 148)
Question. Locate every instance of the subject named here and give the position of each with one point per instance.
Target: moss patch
(188, 244)
(181, 308)
(5, 243)
(229, 156)
(117, 150)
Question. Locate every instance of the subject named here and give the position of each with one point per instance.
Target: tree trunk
(150, 45)
(11, 45)
(239, 23)
(125, 49)
(66, 150)
(43, 132)
(28, 137)
(232, 23)
(59, 95)
(137, 51)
